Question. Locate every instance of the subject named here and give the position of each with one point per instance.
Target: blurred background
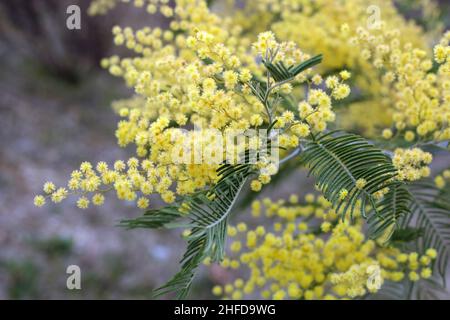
(55, 113)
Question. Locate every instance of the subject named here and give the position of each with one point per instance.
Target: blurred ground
(49, 123)
(47, 128)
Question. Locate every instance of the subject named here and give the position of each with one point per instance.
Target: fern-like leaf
(406, 235)
(431, 213)
(195, 253)
(208, 214)
(281, 73)
(390, 209)
(339, 161)
(153, 219)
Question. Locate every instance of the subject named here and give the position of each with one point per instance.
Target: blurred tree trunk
(37, 29)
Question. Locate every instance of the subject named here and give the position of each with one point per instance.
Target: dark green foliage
(281, 73)
(23, 278)
(54, 246)
(406, 235)
(153, 219)
(431, 212)
(337, 161)
(390, 209)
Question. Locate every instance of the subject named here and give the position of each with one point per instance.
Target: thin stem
(410, 291)
(292, 155)
(437, 144)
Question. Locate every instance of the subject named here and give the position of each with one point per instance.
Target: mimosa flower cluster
(308, 253)
(132, 181)
(412, 164)
(202, 79)
(359, 279)
(334, 29)
(347, 33)
(421, 98)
